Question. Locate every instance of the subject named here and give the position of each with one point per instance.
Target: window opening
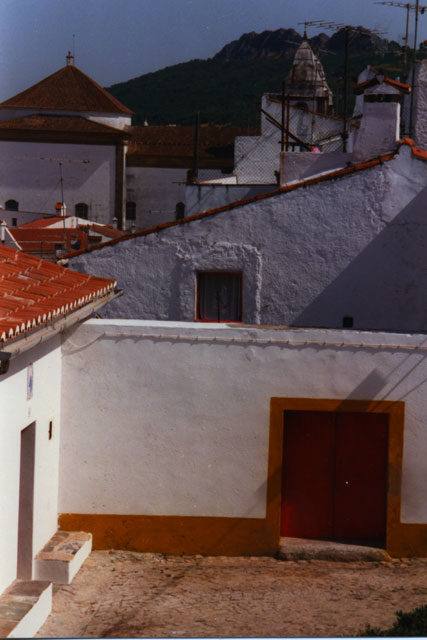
(219, 296)
(130, 211)
(179, 211)
(12, 205)
(82, 210)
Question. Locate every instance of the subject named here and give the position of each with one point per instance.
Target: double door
(334, 480)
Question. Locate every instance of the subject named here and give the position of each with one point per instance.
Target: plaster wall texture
(297, 166)
(21, 217)
(156, 192)
(202, 197)
(420, 105)
(352, 246)
(31, 175)
(180, 425)
(17, 413)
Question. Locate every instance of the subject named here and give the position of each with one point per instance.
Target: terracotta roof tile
(57, 124)
(68, 89)
(33, 292)
(401, 86)
(417, 152)
(216, 143)
(332, 175)
(43, 240)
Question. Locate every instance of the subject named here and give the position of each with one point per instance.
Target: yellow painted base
(250, 536)
(175, 534)
(210, 536)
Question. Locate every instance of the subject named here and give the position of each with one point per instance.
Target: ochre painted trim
(401, 539)
(175, 534)
(251, 536)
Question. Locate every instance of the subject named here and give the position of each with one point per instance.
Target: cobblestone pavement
(127, 594)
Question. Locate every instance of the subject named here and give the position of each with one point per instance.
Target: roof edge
(338, 173)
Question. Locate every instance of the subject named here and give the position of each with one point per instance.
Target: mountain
(227, 88)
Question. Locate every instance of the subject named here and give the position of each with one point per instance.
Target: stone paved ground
(127, 594)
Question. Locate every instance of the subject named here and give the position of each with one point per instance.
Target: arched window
(12, 205)
(81, 210)
(179, 211)
(130, 211)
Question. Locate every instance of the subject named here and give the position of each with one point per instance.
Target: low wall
(168, 442)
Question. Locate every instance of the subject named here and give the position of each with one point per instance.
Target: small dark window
(179, 211)
(219, 296)
(12, 205)
(347, 322)
(130, 211)
(14, 222)
(81, 210)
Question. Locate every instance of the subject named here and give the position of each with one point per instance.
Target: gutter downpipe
(20, 344)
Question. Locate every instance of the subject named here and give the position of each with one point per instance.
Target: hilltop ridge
(227, 88)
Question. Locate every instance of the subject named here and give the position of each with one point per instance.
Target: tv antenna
(409, 7)
(336, 26)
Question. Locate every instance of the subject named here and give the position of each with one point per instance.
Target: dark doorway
(334, 477)
(26, 503)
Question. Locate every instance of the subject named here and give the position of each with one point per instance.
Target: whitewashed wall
(202, 197)
(179, 422)
(353, 246)
(18, 412)
(156, 192)
(31, 175)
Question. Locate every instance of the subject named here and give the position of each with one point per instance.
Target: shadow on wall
(383, 288)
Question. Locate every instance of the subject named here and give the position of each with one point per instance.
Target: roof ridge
(50, 87)
(338, 173)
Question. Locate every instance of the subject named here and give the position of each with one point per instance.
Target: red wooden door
(334, 479)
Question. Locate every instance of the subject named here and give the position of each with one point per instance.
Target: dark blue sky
(116, 40)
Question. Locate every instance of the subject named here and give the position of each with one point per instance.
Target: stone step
(61, 558)
(24, 608)
(303, 549)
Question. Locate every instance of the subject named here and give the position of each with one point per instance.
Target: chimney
(3, 228)
(61, 209)
(380, 124)
(70, 59)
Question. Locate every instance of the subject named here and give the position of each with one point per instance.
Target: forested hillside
(227, 88)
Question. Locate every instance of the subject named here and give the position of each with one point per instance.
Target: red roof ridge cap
(353, 168)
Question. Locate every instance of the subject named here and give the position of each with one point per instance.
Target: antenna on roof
(409, 7)
(74, 45)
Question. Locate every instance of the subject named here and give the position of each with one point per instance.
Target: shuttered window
(219, 296)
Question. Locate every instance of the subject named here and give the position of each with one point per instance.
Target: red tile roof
(332, 175)
(417, 152)
(33, 292)
(43, 240)
(40, 223)
(68, 89)
(57, 124)
(104, 230)
(402, 87)
(149, 145)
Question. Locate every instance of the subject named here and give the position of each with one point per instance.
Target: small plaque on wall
(30, 381)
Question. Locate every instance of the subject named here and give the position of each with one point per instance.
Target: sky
(116, 40)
